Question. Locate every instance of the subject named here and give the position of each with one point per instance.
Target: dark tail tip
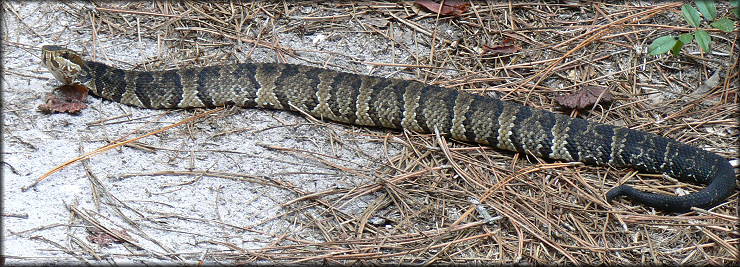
(622, 190)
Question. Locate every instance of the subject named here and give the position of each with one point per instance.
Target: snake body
(396, 103)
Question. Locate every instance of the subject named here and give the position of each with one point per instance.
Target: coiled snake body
(394, 103)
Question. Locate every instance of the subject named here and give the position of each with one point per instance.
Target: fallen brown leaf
(585, 97)
(449, 7)
(65, 99)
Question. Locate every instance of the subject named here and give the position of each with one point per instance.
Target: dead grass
(537, 211)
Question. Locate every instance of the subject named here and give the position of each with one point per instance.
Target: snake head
(65, 64)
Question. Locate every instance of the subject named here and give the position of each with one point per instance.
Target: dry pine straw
(549, 212)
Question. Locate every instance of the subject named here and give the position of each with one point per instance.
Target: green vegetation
(708, 10)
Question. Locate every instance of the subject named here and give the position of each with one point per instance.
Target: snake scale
(396, 103)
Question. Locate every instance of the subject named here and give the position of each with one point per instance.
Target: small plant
(709, 10)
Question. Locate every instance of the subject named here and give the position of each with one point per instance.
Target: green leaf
(736, 9)
(707, 8)
(725, 25)
(704, 40)
(691, 15)
(677, 48)
(661, 45)
(686, 38)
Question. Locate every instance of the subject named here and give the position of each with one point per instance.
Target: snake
(367, 100)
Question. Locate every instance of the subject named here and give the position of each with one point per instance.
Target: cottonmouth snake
(394, 103)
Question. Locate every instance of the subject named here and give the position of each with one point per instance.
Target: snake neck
(87, 76)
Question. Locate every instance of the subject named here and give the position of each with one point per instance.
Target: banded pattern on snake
(395, 103)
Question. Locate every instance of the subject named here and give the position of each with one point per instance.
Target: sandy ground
(181, 216)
